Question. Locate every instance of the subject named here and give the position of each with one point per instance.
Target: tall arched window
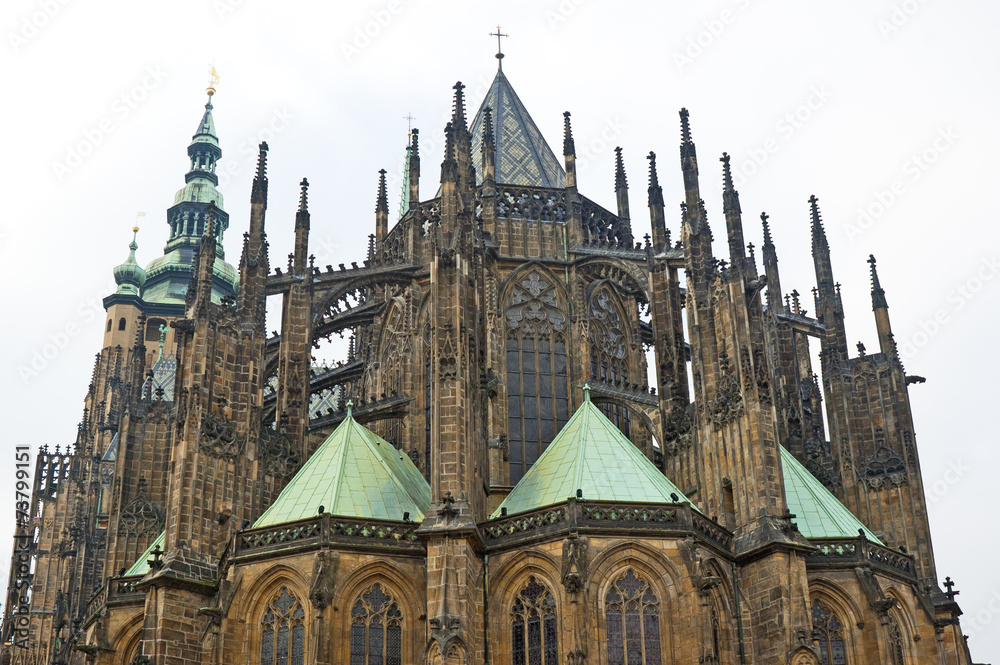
(121, 323)
(283, 631)
(534, 631)
(632, 612)
(831, 638)
(609, 351)
(895, 642)
(376, 629)
(537, 376)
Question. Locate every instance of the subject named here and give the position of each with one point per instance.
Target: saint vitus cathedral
(488, 476)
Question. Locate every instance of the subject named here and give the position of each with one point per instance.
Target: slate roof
(354, 473)
(818, 513)
(590, 454)
(522, 155)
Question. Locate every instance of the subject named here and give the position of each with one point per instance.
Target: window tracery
(534, 629)
(609, 352)
(537, 374)
(827, 626)
(376, 629)
(632, 613)
(283, 631)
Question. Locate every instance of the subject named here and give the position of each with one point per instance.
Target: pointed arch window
(537, 369)
(827, 626)
(283, 631)
(895, 642)
(376, 629)
(632, 613)
(609, 351)
(534, 630)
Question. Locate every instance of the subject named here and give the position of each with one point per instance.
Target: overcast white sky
(885, 106)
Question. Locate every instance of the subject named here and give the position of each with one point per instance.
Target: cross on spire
(499, 35)
(409, 117)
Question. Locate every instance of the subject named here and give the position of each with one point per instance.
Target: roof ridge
(842, 518)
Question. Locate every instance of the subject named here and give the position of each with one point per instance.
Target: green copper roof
(818, 513)
(141, 565)
(130, 276)
(522, 155)
(354, 473)
(590, 454)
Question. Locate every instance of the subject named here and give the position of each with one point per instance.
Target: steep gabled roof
(592, 455)
(354, 473)
(818, 513)
(522, 155)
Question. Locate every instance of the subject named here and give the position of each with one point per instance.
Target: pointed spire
(820, 250)
(449, 167)
(381, 210)
(733, 213)
(878, 293)
(304, 196)
(203, 276)
(887, 343)
(621, 186)
(382, 202)
(569, 146)
(569, 152)
(458, 108)
(689, 169)
(774, 299)
(259, 192)
(621, 182)
(657, 217)
(654, 190)
(413, 168)
(488, 157)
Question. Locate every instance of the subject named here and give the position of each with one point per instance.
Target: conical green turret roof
(592, 455)
(354, 473)
(818, 513)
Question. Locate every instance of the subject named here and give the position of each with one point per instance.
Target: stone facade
(475, 322)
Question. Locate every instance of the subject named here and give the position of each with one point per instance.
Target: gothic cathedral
(488, 476)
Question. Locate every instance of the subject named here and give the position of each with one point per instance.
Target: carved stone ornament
(448, 360)
(279, 456)
(323, 580)
(606, 330)
(820, 462)
(677, 431)
(219, 437)
(883, 469)
(727, 404)
(141, 517)
(574, 564)
(533, 308)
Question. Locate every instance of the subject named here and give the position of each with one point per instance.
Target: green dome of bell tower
(167, 277)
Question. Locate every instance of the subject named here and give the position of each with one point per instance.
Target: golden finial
(135, 229)
(213, 80)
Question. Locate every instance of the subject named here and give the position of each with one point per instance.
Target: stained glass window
(537, 376)
(283, 631)
(632, 614)
(895, 642)
(534, 631)
(376, 629)
(831, 637)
